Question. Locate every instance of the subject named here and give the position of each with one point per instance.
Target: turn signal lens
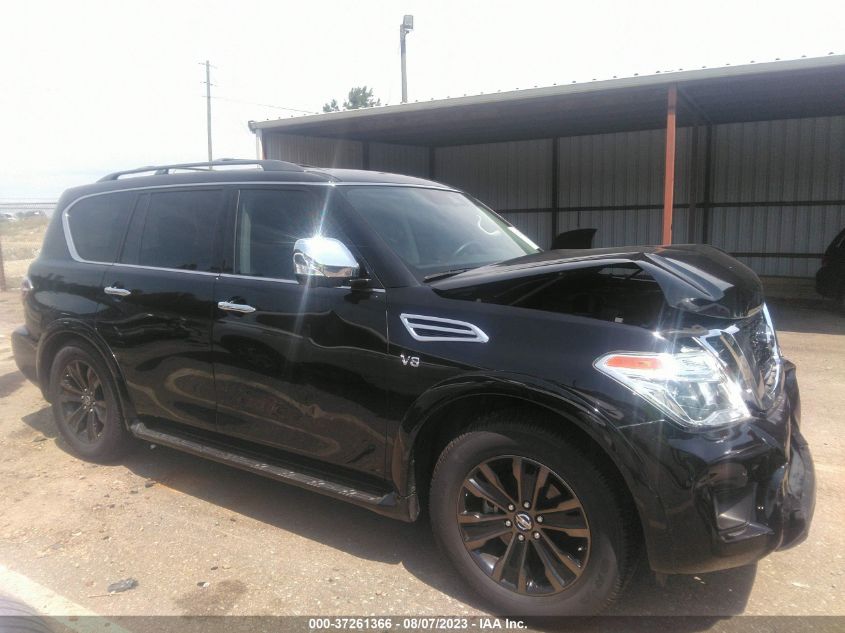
(691, 387)
(645, 363)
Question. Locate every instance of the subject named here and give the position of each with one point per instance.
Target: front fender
(568, 405)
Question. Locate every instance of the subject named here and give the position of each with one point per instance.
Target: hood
(692, 277)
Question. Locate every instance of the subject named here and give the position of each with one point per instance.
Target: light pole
(208, 105)
(406, 27)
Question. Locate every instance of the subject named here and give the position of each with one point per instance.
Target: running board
(390, 504)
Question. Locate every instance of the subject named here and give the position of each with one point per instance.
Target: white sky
(90, 87)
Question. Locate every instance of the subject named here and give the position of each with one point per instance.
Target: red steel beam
(669, 176)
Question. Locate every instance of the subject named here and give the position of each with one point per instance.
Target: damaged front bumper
(731, 497)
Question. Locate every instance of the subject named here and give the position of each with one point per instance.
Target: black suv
(392, 342)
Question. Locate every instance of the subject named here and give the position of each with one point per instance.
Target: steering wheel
(460, 250)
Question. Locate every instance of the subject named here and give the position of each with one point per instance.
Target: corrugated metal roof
(755, 91)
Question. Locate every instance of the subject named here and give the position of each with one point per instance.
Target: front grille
(749, 350)
(763, 352)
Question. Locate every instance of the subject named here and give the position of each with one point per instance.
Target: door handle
(228, 306)
(117, 292)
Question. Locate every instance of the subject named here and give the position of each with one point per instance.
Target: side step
(390, 504)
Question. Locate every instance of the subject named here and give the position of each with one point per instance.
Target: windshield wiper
(445, 273)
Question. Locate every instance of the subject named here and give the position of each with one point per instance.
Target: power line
(265, 105)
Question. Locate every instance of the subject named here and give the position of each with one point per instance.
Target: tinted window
(269, 223)
(97, 225)
(178, 229)
(435, 231)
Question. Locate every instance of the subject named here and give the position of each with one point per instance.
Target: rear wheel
(85, 404)
(533, 525)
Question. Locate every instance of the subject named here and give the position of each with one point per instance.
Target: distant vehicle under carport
(830, 278)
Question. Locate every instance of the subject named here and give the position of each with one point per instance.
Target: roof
(750, 92)
(302, 174)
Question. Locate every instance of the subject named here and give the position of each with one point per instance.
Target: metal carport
(749, 158)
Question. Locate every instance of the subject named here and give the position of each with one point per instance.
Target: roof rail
(162, 170)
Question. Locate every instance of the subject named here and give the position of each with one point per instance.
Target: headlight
(690, 387)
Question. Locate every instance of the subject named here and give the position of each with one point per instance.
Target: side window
(269, 223)
(178, 229)
(97, 225)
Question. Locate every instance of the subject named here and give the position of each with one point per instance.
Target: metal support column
(365, 155)
(260, 151)
(692, 185)
(432, 172)
(669, 177)
(707, 194)
(555, 194)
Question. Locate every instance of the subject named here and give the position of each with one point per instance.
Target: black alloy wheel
(82, 401)
(523, 525)
(86, 405)
(537, 522)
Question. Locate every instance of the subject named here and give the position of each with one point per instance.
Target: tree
(358, 97)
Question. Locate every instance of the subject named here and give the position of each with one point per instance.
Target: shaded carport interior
(758, 169)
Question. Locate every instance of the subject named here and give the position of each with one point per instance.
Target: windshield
(434, 231)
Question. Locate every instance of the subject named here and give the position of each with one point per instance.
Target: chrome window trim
(256, 278)
(74, 254)
(285, 281)
(459, 327)
(172, 270)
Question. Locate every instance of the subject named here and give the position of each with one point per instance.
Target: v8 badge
(413, 361)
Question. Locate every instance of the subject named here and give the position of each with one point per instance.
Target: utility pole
(208, 104)
(406, 27)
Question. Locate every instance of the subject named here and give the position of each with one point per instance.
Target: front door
(297, 368)
(159, 305)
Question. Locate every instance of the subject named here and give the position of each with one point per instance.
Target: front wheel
(533, 525)
(85, 404)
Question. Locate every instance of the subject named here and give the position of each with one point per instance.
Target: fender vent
(426, 328)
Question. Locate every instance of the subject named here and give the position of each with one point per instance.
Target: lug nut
(539, 519)
(508, 523)
(536, 535)
(510, 507)
(526, 505)
(520, 537)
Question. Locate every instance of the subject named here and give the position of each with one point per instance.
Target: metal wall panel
(795, 159)
(621, 170)
(611, 169)
(779, 161)
(537, 226)
(411, 160)
(781, 229)
(314, 150)
(513, 175)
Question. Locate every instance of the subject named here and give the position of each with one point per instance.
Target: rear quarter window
(97, 225)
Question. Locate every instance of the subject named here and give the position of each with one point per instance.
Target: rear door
(160, 304)
(95, 226)
(298, 368)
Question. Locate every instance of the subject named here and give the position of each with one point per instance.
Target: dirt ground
(20, 241)
(176, 522)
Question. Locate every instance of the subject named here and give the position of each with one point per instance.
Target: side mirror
(324, 260)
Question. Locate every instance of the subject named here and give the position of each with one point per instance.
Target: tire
(593, 527)
(85, 404)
